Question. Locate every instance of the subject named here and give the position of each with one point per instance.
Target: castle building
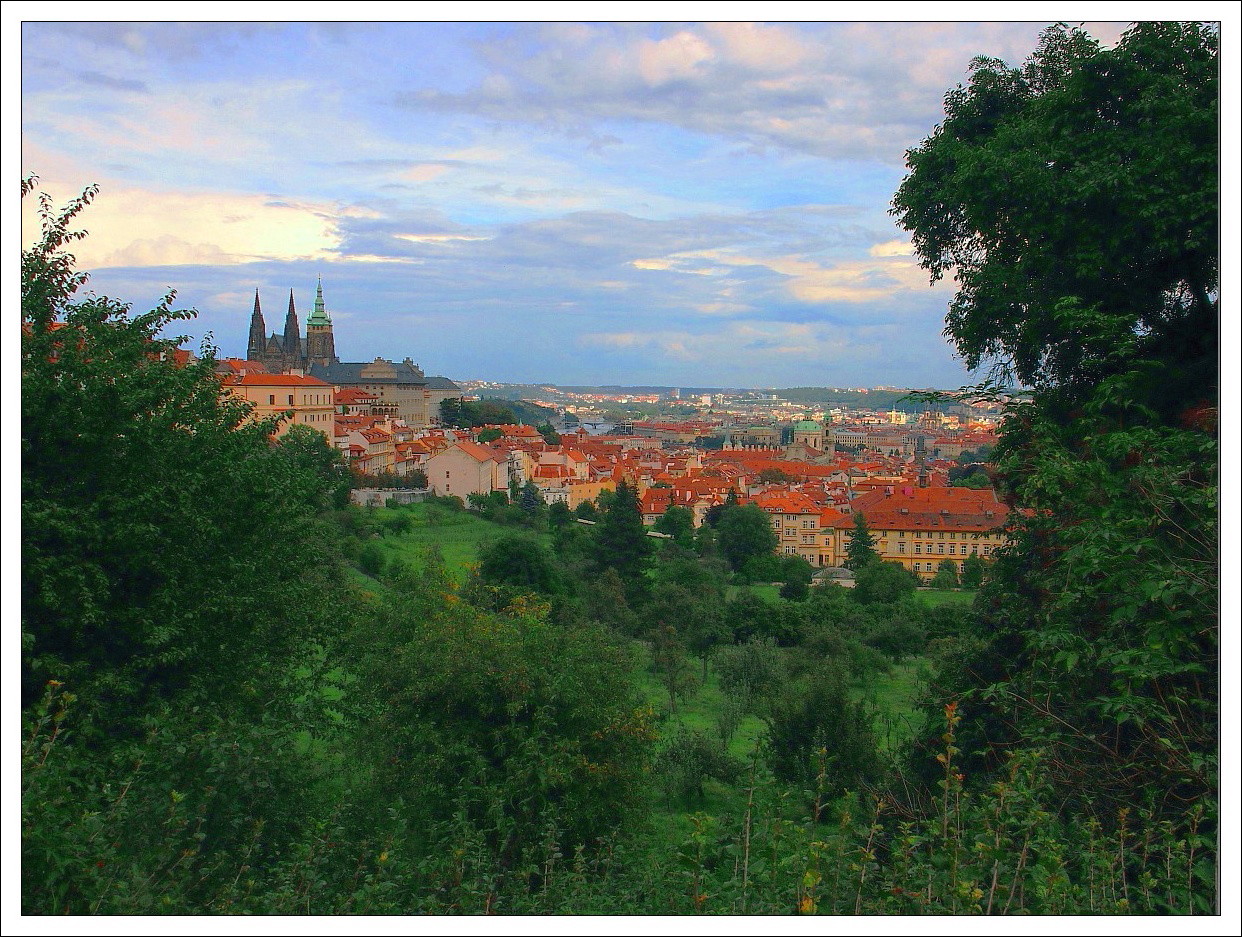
(402, 390)
(289, 351)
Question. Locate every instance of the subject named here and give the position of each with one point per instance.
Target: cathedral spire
(293, 335)
(258, 332)
(319, 316)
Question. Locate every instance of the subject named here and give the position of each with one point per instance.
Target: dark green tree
(946, 576)
(502, 723)
(168, 546)
(531, 499)
(677, 522)
(883, 583)
(860, 551)
(1076, 200)
(818, 738)
(973, 571)
(776, 476)
(519, 561)
(559, 514)
(745, 531)
(713, 515)
(621, 540)
(371, 559)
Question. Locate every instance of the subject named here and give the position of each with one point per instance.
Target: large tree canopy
(1075, 201)
(167, 543)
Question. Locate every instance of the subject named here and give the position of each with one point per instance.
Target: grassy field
(459, 535)
(934, 597)
(891, 697)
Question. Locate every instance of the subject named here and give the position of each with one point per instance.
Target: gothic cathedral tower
(256, 348)
(292, 338)
(320, 345)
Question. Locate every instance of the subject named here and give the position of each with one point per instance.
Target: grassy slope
(460, 536)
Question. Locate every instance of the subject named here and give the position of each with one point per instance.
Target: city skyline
(599, 203)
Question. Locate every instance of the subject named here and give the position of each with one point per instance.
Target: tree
(973, 571)
(531, 499)
(166, 541)
(883, 583)
(321, 468)
(775, 476)
(671, 663)
(559, 514)
(745, 531)
(621, 539)
(1075, 200)
(677, 522)
(501, 723)
(860, 551)
(946, 576)
(818, 739)
(712, 517)
(521, 562)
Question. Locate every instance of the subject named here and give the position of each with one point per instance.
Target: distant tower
(256, 348)
(293, 338)
(320, 345)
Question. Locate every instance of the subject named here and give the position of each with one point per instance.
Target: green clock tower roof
(319, 316)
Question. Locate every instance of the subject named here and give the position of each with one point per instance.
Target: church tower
(256, 348)
(292, 338)
(320, 345)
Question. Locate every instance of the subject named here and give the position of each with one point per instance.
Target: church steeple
(258, 332)
(320, 345)
(293, 335)
(319, 316)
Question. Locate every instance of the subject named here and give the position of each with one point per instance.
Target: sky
(697, 204)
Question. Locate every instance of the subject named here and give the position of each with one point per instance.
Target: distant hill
(876, 399)
(524, 410)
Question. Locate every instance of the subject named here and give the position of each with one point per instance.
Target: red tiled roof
(276, 380)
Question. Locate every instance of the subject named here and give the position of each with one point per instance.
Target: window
(953, 548)
(901, 547)
(271, 399)
(940, 548)
(918, 548)
(291, 400)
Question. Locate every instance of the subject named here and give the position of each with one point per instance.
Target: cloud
(892, 249)
(849, 91)
(135, 227)
(805, 279)
(108, 81)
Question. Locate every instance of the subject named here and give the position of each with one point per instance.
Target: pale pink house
(467, 468)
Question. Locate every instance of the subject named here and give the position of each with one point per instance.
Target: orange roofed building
(309, 399)
(919, 528)
(467, 468)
